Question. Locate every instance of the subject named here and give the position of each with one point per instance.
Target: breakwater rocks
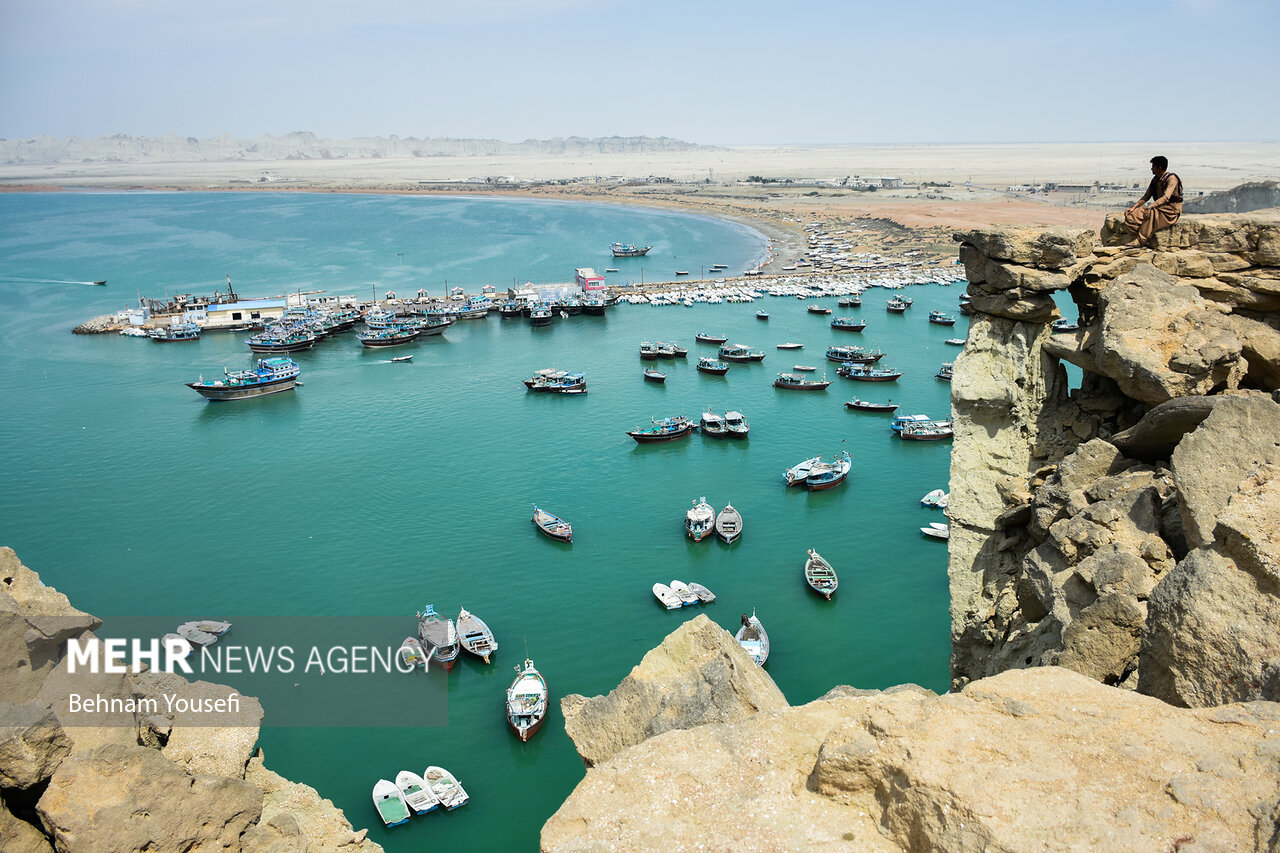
(1126, 528)
(146, 783)
(1021, 761)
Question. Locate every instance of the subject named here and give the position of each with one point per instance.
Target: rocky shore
(153, 783)
(1115, 587)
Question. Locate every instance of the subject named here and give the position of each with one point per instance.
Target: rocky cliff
(1125, 528)
(305, 146)
(1034, 759)
(153, 783)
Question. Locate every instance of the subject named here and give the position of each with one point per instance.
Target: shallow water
(377, 488)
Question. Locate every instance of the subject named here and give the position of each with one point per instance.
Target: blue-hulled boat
(269, 377)
(847, 324)
(667, 429)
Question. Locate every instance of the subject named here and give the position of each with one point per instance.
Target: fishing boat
(705, 595)
(595, 305)
(666, 597)
(762, 315)
(797, 382)
(790, 345)
(628, 250)
(662, 349)
(552, 525)
(853, 355)
(684, 593)
(712, 424)
(753, 638)
(713, 366)
(175, 332)
(475, 636)
(936, 498)
(817, 309)
(945, 372)
(847, 324)
(899, 421)
(700, 520)
(895, 306)
(868, 406)
(940, 318)
(527, 701)
(819, 575)
(417, 794)
(99, 283)
(863, 373)
(271, 376)
(550, 380)
(667, 429)
(412, 654)
(729, 524)
(192, 632)
(934, 431)
(936, 530)
(648, 351)
(438, 636)
(796, 474)
(828, 475)
(705, 338)
(401, 358)
(390, 803)
(448, 790)
(955, 342)
(652, 375)
(392, 336)
(735, 425)
(739, 353)
(1062, 324)
(540, 315)
(428, 326)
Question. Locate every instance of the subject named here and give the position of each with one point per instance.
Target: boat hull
(714, 371)
(654, 438)
(223, 393)
(291, 346)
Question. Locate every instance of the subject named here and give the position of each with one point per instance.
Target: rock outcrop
(144, 783)
(1121, 528)
(698, 675)
(1031, 759)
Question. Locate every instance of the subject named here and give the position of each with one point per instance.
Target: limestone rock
(698, 675)
(1041, 759)
(19, 836)
(1213, 634)
(35, 623)
(220, 750)
(124, 798)
(1015, 303)
(1239, 435)
(1162, 340)
(1247, 528)
(32, 744)
(1260, 345)
(322, 825)
(1160, 430)
(1053, 249)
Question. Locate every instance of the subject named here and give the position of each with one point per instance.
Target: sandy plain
(948, 187)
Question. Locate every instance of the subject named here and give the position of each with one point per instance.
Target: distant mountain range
(302, 145)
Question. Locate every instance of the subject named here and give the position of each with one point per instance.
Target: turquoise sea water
(378, 487)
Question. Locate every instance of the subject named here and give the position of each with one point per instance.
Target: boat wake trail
(48, 281)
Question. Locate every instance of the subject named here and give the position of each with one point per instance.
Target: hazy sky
(804, 71)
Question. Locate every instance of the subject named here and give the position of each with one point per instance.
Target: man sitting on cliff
(1159, 207)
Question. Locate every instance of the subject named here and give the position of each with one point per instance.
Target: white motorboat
(669, 599)
(933, 497)
(412, 654)
(684, 593)
(729, 523)
(191, 632)
(753, 638)
(527, 701)
(448, 790)
(417, 794)
(936, 530)
(390, 803)
(475, 636)
(797, 474)
(705, 595)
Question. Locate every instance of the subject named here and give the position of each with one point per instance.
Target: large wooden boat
(940, 318)
(853, 355)
(391, 336)
(705, 338)
(700, 520)
(271, 376)
(740, 353)
(818, 309)
(820, 576)
(847, 324)
(667, 429)
(552, 381)
(828, 475)
(712, 366)
(795, 381)
(174, 333)
(868, 406)
(628, 250)
(527, 701)
(735, 425)
(438, 636)
(863, 373)
(753, 638)
(552, 525)
(282, 339)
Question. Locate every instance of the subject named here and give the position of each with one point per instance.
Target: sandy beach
(946, 187)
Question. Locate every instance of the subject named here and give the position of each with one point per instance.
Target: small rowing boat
(729, 524)
(819, 575)
(552, 525)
